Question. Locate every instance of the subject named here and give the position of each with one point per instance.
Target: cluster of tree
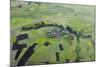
(33, 26)
(56, 33)
(40, 25)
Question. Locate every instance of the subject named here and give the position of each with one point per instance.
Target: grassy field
(80, 18)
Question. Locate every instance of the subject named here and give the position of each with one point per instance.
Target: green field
(80, 18)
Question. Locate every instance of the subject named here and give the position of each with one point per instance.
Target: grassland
(80, 18)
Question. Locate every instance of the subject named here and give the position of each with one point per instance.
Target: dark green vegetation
(62, 33)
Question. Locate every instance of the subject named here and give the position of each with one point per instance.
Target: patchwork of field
(49, 33)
